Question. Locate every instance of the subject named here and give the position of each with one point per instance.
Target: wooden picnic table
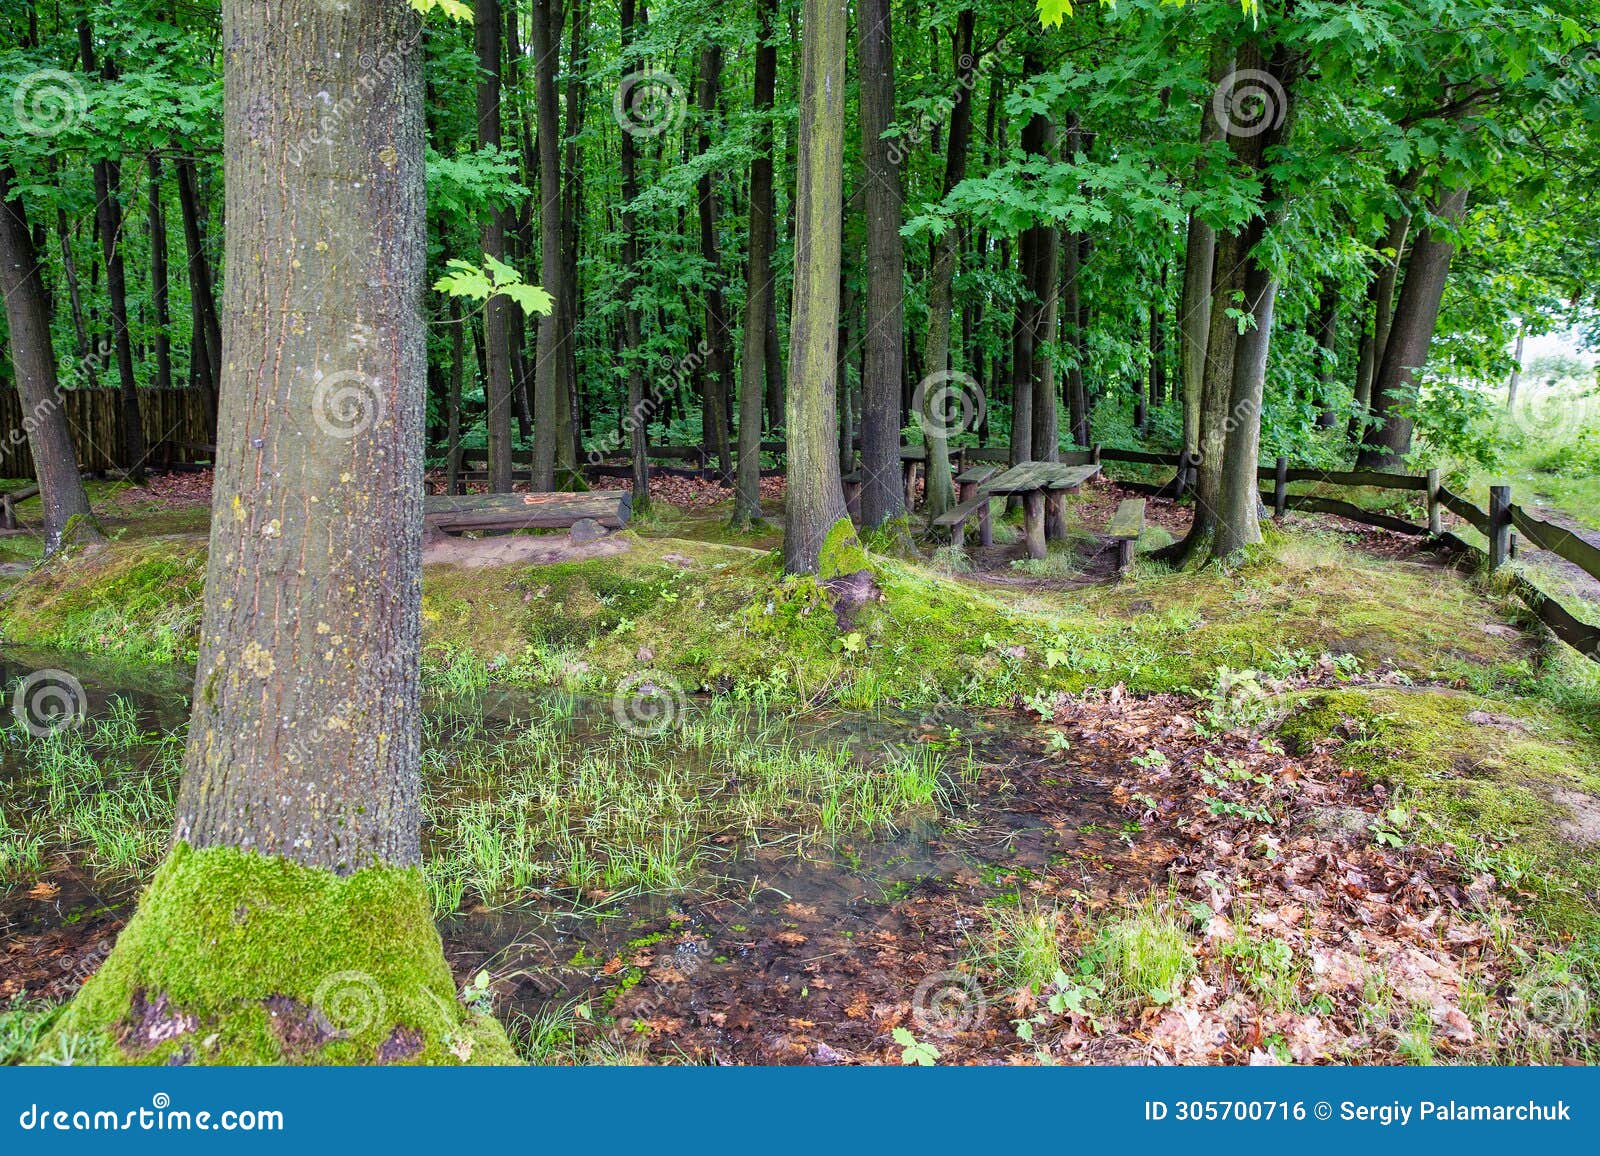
(1039, 484)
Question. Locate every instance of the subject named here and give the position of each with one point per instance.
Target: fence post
(1094, 453)
(1499, 525)
(1435, 520)
(1280, 489)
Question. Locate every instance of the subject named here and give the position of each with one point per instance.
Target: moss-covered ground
(236, 958)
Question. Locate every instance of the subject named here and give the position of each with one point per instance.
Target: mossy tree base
(237, 958)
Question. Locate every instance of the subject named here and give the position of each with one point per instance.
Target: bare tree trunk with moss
(758, 279)
(1227, 496)
(108, 218)
(157, 221)
(939, 495)
(882, 496)
(497, 321)
(636, 423)
(1388, 439)
(818, 537)
(1380, 304)
(550, 385)
(33, 360)
(295, 882)
(1199, 255)
(719, 366)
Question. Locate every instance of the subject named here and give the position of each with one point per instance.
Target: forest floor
(1335, 804)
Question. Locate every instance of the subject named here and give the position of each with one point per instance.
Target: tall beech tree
(1388, 438)
(294, 881)
(758, 309)
(818, 538)
(883, 368)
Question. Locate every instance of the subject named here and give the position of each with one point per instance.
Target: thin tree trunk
(202, 297)
(158, 277)
(1325, 330)
(458, 370)
(1388, 440)
(44, 419)
(939, 495)
(1516, 371)
(719, 369)
(818, 537)
(882, 495)
(108, 218)
(550, 373)
(497, 310)
(1380, 304)
(90, 364)
(758, 305)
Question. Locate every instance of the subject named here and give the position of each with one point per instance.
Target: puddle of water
(766, 915)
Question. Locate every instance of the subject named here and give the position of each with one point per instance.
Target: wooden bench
(971, 479)
(1124, 528)
(446, 513)
(955, 520)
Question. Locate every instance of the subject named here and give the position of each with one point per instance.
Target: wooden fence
(1500, 524)
(174, 420)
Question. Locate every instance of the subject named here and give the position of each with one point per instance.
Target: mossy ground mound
(1512, 785)
(723, 618)
(236, 958)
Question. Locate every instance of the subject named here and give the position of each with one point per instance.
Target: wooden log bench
(447, 513)
(955, 520)
(1124, 528)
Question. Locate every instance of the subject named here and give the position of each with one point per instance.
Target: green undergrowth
(1513, 786)
(139, 601)
(722, 618)
(237, 958)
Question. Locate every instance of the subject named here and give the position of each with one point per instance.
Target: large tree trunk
(1389, 438)
(882, 496)
(818, 538)
(497, 310)
(1199, 256)
(1228, 498)
(108, 218)
(758, 278)
(719, 370)
(294, 883)
(963, 396)
(34, 362)
(551, 388)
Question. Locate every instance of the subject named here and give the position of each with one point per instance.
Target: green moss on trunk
(238, 958)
